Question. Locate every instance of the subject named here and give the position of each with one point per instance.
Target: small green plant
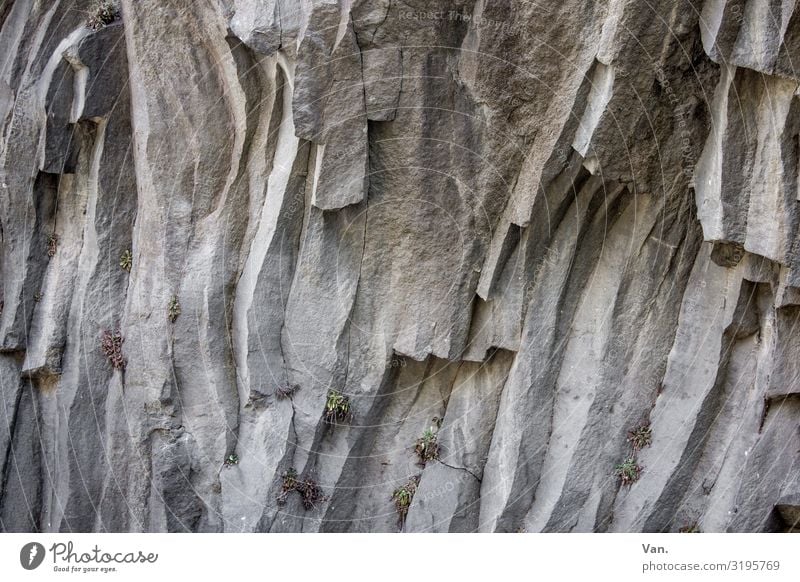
(337, 408)
(690, 528)
(310, 492)
(37, 297)
(427, 447)
(102, 14)
(628, 471)
(52, 245)
(286, 390)
(232, 459)
(111, 344)
(640, 437)
(173, 309)
(402, 497)
(289, 485)
(126, 260)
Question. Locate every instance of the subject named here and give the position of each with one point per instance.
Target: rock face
(528, 228)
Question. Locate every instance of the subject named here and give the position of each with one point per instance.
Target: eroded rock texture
(529, 226)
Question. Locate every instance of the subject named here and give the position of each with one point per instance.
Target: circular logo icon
(31, 555)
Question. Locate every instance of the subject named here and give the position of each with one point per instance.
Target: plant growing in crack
(126, 260)
(402, 497)
(628, 471)
(640, 437)
(111, 344)
(289, 484)
(337, 408)
(52, 245)
(173, 309)
(310, 492)
(231, 460)
(102, 14)
(427, 447)
(285, 391)
(37, 297)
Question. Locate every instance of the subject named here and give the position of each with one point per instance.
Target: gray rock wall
(528, 227)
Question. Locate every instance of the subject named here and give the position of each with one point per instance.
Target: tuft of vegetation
(629, 471)
(52, 245)
(111, 343)
(289, 484)
(310, 492)
(640, 437)
(337, 408)
(231, 460)
(427, 447)
(690, 528)
(173, 309)
(286, 390)
(126, 260)
(102, 14)
(38, 296)
(402, 497)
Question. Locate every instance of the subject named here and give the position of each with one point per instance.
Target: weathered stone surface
(527, 227)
